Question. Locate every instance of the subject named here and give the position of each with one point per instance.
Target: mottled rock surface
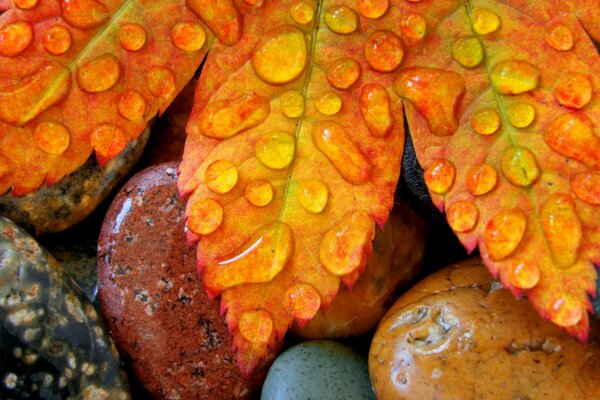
(53, 344)
(153, 299)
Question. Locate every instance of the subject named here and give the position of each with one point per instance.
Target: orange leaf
(292, 156)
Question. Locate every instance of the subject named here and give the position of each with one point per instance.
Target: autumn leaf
(292, 157)
(78, 76)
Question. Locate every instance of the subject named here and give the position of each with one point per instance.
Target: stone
(322, 369)
(153, 300)
(52, 342)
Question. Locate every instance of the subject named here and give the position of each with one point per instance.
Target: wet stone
(154, 300)
(52, 343)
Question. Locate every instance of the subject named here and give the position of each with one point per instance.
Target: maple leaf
(292, 157)
(78, 76)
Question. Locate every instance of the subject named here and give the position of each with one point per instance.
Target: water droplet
(132, 105)
(414, 26)
(51, 137)
(335, 143)
(462, 216)
(328, 103)
(206, 215)
(485, 21)
(559, 37)
(313, 195)
(84, 14)
(586, 186)
(160, 81)
(435, 93)
(504, 232)
(341, 19)
(481, 179)
(259, 260)
(572, 135)
(372, 8)
(132, 36)
(15, 37)
(188, 36)
(573, 90)
(275, 149)
(57, 39)
(342, 73)
(515, 76)
(523, 274)
(302, 301)
(468, 52)
(292, 104)
(521, 114)
(256, 326)
(100, 74)
(566, 311)
(259, 193)
(280, 56)
(374, 106)
(562, 229)
(343, 248)
(25, 4)
(222, 18)
(225, 118)
(384, 51)
(302, 13)
(520, 167)
(108, 141)
(485, 122)
(221, 176)
(439, 176)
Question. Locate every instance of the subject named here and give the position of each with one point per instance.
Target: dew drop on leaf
(468, 52)
(132, 36)
(520, 114)
(100, 74)
(221, 176)
(225, 118)
(384, 51)
(566, 311)
(572, 135)
(342, 73)
(206, 215)
(222, 18)
(132, 105)
(15, 37)
(84, 14)
(485, 21)
(108, 141)
(520, 167)
(51, 137)
(515, 76)
(559, 37)
(562, 229)
(481, 179)
(374, 107)
(439, 176)
(275, 150)
(328, 103)
(372, 8)
(573, 90)
(259, 193)
(313, 195)
(57, 39)
(280, 56)
(413, 26)
(462, 216)
(586, 186)
(25, 4)
(302, 13)
(341, 19)
(504, 232)
(523, 274)
(256, 326)
(188, 36)
(302, 301)
(160, 81)
(292, 104)
(485, 122)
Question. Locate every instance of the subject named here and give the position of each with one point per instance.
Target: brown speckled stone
(153, 300)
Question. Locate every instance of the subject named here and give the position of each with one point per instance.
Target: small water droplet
(100, 74)
(132, 36)
(374, 106)
(259, 193)
(562, 229)
(25, 4)
(573, 90)
(15, 37)
(572, 135)
(160, 81)
(132, 105)
(504, 232)
(188, 36)
(302, 13)
(57, 39)
(413, 26)
(372, 8)
(335, 143)
(313, 195)
(523, 274)
(292, 104)
(302, 301)
(328, 103)
(206, 215)
(342, 73)
(485, 122)
(439, 176)
(462, 216)
(275, 149)
(559, 37)
(84, 14)
(221, 176)
(107, 141)
(481, 179)
(566, 311)
(222, 18)
(341, 19)
(343, 247)
(520, 167)
(256, 326)
(384, 51)
(515, 76)
(468, 52)
(586, 186)
(51, 137)
(521, 114)
(280, 56)
(485, 21)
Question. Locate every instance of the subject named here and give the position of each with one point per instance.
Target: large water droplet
(302, 301)
(206, 215)
(132, 36)
(302, 13)
(57, 39)
(221, 176)
(160, 81)
(572, 135)
(520, 167)
(188, 36)
(559, 37)
(586, 186)
(462, 216)
(384, 51)
(515, 76)
(280, 56)
(439, 176)
(523, 274)
(372, 8)
(435, 93)
(107, 141)
(275, 149)
(100, 74)
(485, 122)
(15, 37)
(521, 114)
(343, 248)
(328, 103)
(256, 326)
(468, 51)
(485, 21)
(51, 137)
(341, 19)
(566, 311)
(413, 26)
(313, 195)
(374, 106)
(342, 73)
(292, 104)
(25, 4)
(259, 193)
(562, 229)
(335, 143)
(504, 232)
(222, 18)
(84, 14)
(481, 179)
(573, 90)
(132, 105)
